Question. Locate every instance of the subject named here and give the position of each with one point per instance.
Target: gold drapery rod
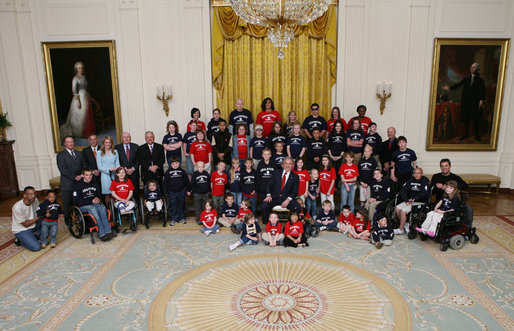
(224, 3)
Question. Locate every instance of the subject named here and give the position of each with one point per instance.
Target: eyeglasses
(314, 108)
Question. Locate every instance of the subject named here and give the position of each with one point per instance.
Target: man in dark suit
(127, 152)
(151, 159)
(70, 163)
(388, 148)
(89, 154)
(282, 190)
(472, 100)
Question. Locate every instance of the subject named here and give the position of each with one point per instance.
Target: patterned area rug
(176, 278)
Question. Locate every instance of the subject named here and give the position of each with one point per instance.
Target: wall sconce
(383, 93)
(164, 95)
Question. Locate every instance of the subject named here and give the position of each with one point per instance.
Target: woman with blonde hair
(107, 161)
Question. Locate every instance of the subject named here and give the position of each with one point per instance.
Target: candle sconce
(164, 95)
(383, 93)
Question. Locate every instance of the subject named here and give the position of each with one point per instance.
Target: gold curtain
(245, 65)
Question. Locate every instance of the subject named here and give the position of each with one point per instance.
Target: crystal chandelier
(279, 16)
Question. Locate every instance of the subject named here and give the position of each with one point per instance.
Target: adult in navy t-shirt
(240, 115)
(403, 161)
(172, 139)
(314, 121)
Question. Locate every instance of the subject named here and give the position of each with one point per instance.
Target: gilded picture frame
(83, 94)
(466, 94)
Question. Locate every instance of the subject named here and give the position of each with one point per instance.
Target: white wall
(169, 41)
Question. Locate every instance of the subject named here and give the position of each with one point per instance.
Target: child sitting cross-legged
(304, 216)
(245, 209)
(251, 234)
(325, 220)
(383, 233)
(273, 235)
(229, 212)
(209, 217)
(361, 225)
(346, 219)
(294, 233)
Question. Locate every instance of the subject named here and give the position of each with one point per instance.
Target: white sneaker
(407, 227)
(345, 231)
(207, 233)
(183, 221)
(399, 231)
(218, 231)
(232, 247)
(322, 228)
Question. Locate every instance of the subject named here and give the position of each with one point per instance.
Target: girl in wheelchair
(122, 190)
(449, 202)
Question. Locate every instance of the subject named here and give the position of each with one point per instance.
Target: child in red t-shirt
(361, 225)
(303, 176)
(195, 115)
(241, 143)
(209, 219)
(201, 150)
(346, 220)
(294, 234)
(349, 173)
(218, 182)
(122, 190)
(273, 235)
(267, 116)
(245, 208)
(327, 180)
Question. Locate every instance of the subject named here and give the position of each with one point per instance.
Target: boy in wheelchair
(451, 201)
(415, 192)
(87, 196)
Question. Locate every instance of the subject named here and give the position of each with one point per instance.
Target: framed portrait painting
(466, 94)
(83, 93)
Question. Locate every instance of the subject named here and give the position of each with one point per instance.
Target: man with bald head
(389, 146)
(472, 100)
(151, 159)
(240, 115)
(127, 152)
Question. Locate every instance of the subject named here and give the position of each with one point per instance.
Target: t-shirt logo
(404, 157)
(220, 181)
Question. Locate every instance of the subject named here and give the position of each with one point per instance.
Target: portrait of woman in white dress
(80, 121)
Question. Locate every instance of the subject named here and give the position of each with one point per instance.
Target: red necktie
(283, 181)
(127, 151)
(390, 143)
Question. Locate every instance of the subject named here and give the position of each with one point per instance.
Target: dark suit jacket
(290, 188)
(146, 159)
(385, 154)
(89, 157)
(471, 95)
(132, 162)
(69, 168)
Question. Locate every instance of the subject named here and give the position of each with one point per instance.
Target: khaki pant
(371, 207)
(266, 237)
(223, 222)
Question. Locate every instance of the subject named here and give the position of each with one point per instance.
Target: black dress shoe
(17, 242)
(105, 237)
(147, 225)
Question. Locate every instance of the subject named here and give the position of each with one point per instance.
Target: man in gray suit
(70, 163)
(127, 154)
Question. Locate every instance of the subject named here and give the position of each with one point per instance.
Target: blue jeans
(28, 240)
(190, 169)
(48, 228)
(348, 198)
(247, 241)
(311, 206)
(238, 197)
(97, 210)
(215, 228)
(329, 226)
(177, 204)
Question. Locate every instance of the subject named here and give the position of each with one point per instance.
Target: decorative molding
(193, 3)
(356, 3)
(129, 4)
(23, 6)
(224, 3)
(7, 5)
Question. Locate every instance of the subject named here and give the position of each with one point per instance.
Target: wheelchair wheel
(457, 242)
(92, 235)
(391, 214)
(412, 234)
(165, 209)
(75, 222)
(143, 212)
(115, 216)
(474, 239)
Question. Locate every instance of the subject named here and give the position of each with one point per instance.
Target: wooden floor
(483, 204)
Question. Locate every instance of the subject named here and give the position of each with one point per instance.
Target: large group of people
(231, 167)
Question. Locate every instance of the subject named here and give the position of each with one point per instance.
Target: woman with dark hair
(268, 116)
(335, 116)
(195, 115)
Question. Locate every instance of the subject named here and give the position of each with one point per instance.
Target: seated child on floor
(273, 235)
(49, 210)
(294, 234)
(326, 219)
(229, 212)
(243, 211)
(122, 190)
(153, 198)
(304, 216)
(346, 220)
(449, 202)
(361, 225)
(251, 233)
(208, 218)
(383, 233)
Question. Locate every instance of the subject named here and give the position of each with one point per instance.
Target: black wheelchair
(455, 228)
(80, 223)
(118, 216)
(146, 215)
(417, 212)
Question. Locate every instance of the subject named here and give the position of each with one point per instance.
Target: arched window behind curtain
(245, 65)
